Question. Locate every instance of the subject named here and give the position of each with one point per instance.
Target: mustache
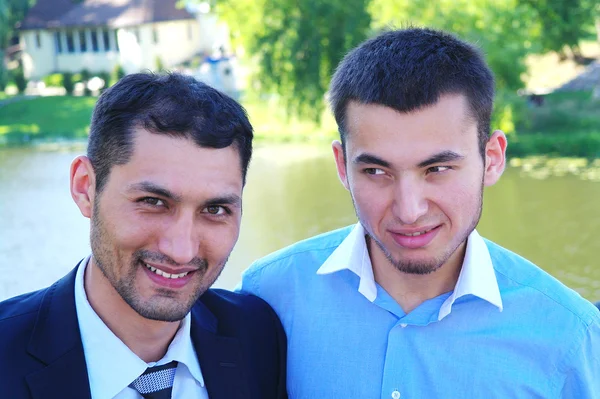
(145, 255)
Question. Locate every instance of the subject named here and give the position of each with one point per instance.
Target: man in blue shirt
(412, 302)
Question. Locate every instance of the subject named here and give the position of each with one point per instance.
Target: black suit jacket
(239, 340)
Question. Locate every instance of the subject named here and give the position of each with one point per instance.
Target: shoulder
(20, 312)
(303, 255)
(518, 276)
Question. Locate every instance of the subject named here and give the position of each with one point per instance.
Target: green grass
(61, 117)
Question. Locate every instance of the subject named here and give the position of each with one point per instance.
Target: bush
(18, 76)
(510, 112)
(85, 76)
(117, 73)
(3, 78)
(580, 144)
(53, 80)
(105, 76)
(68, 82)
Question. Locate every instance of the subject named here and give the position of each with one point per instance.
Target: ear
(340, 162)
(83, 185)
(495, 158)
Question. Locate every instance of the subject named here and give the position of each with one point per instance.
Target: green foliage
(11, 12)
(105, 76)
(85, 76)
(159, 64)
(68, 82)
(53, 80)
(117, 73)
(563, 22)
(565, 112)
(574, 144)
(502, 28)
(18, 76)
(297, 44)
(511, 112)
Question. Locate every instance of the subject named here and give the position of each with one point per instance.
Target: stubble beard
(162, 306)
(429, 266)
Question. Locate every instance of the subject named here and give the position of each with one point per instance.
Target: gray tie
(156, 382)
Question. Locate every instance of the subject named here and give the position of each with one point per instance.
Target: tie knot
(157, 379)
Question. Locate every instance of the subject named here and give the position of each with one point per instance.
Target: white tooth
(159, 272)
(166, 275)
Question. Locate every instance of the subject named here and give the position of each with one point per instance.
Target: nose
(179, 240)
(410, 202)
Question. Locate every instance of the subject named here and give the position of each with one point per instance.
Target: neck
(148, 339)
(411, 290)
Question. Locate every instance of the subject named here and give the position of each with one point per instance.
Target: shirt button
(395, 395)
(401, 325)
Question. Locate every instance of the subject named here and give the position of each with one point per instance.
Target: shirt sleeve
(583, 377)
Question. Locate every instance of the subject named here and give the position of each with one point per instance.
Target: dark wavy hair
(408, 69)
(170, 104)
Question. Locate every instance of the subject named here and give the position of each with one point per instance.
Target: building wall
(135, 48)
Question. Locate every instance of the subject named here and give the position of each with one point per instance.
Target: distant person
(411, 302)
(162, 185)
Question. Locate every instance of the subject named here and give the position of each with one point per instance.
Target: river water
(292, 193)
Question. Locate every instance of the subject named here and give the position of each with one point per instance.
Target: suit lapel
(56, 342)
(219, 357)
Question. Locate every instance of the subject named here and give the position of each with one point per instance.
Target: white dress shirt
(112, 366)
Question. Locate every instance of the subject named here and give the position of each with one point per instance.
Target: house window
(190, 31)
(136, 33)
(106, 39)
(82, 41)
(58, 42)
(94, 37)
(155, 35)
(38, 42)
(70, 42)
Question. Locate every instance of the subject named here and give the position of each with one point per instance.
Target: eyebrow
(441, 157)
(233, 200)
(153, 188)
(371, 159)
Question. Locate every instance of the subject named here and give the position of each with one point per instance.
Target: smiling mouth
(165, 274)
(418, 233)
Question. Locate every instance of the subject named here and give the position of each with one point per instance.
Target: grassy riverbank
(566, 125)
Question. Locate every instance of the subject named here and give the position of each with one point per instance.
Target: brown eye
(214, 210)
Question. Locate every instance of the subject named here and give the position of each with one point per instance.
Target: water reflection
(292, 193)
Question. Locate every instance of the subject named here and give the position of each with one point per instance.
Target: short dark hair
(408, 69)
(172, 104)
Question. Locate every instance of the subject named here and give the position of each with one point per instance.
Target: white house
(72, 35)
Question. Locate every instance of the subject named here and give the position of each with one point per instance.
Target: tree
(501, 28)
(297, 44)
(11, 12)
(564, 22)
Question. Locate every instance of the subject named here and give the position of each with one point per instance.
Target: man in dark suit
(162, 185)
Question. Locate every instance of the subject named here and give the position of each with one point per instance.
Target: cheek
(372, 203)
(218, 242)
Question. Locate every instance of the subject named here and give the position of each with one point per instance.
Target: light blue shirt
(507, 330)
(112, 366)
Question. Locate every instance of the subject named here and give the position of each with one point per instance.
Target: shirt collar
(477, 276)
(111, 365)
(352, 254)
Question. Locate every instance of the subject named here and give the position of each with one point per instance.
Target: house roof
(116, 13)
